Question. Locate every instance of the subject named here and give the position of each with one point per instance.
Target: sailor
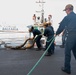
(69, 24)
(39, 36)
(53, 44)
(34, 18)
(50, 18)
(49, 33)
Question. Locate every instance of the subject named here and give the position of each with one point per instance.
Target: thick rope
(49, 40)
(53, 38)
(23, 47)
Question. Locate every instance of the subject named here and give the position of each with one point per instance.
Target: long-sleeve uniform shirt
(68, 23)
(36, 32)
(49, 32)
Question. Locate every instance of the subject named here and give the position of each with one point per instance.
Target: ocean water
(15, 39)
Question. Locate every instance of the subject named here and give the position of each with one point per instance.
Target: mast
(42, 9)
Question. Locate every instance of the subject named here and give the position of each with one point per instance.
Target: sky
(19, 12)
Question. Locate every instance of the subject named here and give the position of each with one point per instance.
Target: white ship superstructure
(8, 28)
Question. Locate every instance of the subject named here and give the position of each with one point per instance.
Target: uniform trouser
(70, 45)
(51, 48)
(38, 43)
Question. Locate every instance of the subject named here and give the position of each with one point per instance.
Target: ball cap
(69, 6)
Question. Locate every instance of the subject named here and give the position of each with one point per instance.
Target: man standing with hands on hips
(69, 24)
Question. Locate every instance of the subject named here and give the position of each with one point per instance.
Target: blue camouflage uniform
(49, 33)
(69, 24)
(37, 32)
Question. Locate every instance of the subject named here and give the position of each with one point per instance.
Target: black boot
(66, 71)
(48, 54)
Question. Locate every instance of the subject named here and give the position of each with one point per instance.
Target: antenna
(42, 9)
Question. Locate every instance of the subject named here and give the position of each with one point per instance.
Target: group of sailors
(68, 27)
(48, 32)
(37, 19)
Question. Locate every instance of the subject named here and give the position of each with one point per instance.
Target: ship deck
(20, 62)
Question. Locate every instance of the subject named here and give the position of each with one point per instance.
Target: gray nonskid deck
(20, 62)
